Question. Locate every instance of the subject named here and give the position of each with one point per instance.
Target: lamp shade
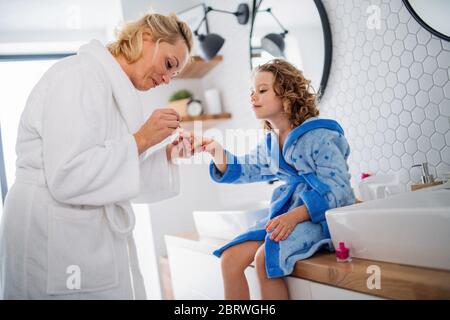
(210, 44)
(273, 43)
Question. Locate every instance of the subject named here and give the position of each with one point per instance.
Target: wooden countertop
(397, 281)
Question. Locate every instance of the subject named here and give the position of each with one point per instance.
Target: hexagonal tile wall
(389, 88)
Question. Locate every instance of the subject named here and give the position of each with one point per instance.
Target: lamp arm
(199, 25)
(285, 31)
(208, 9)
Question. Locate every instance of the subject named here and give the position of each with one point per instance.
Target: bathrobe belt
(112, 212)
(291, 182)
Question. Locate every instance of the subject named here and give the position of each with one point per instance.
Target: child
(309, 155)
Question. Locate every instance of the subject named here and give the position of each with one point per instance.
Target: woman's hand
(161, 124)
(183, 146)
(217, 152)
(284, 224)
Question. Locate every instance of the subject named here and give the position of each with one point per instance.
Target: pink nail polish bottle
(343, 253)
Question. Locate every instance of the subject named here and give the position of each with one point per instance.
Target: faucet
(426, 176)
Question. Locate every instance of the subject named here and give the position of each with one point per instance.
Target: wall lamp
(273, 43)
(211, 43)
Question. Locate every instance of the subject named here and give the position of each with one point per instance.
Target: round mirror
(303, 38)
(432, 15)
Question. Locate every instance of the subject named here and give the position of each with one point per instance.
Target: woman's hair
(157, 26)
(293, 89)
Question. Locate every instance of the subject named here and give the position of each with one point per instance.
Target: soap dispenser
(427, 178)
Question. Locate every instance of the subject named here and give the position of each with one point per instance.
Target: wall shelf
(208, 120)
(198, 67)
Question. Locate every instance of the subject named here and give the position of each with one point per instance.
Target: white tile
(383, 69)
(402, 32)
(378, 138)
(403, 14)
(423, 36)
(395, 163)
(396, 106)
(419, 53)
(409, 102)
(434, 47)
(389, 38)
(444, 59)
(414, 131)
(406, 58)
(398, 148)
(394, 65)
(416, 70)
(423, 144)
(425, 82)
(447, 89)
(418, 115)
(412, 86)
(430, 64)
(419, 157)
(387, 150)
(427, 128)
(432, 111)
(440, 77)
(376, 152)
(413, 26)
(409, 42)
(400, 91)
(407, 160)
(389, 136)
(398, 49)
(405, 118)
(422, 98)
(380, 84)
(444, 107)
(388, 95)
(411, 146)
(403, 75)
(384, 164)
(437, 141)
(433, 158)
(391, 79)
(436, 94)
(445, 154)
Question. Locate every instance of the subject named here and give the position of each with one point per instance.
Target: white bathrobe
(67, 224)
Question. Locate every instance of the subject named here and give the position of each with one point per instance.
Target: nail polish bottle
(343, 253)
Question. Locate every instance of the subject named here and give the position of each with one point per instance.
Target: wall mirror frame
(278, 26)
(433, 16)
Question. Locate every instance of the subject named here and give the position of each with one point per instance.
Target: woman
(84, 151)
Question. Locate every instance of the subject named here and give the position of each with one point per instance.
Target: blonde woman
(84, 151)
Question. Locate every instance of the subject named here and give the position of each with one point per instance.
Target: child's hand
(216, 151)
(283, 225)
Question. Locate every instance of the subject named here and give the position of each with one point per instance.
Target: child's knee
(231, 261)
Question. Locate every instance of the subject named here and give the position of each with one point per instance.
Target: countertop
(397, 281)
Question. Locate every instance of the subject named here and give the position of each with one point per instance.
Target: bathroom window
(17, 79)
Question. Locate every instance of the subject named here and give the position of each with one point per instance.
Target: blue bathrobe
(312, 163)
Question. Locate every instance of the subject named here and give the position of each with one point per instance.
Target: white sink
(412, 228)
(228, 223)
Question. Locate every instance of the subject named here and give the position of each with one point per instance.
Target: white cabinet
(196, 274)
